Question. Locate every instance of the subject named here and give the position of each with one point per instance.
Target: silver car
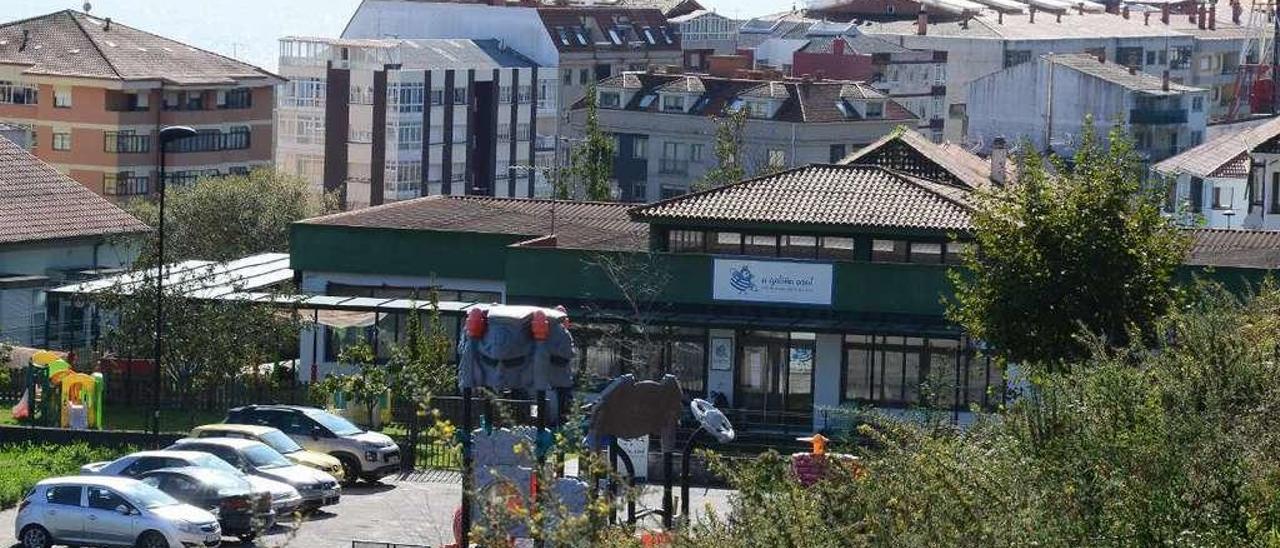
(110, 511)
(284, 498)
(256, 458)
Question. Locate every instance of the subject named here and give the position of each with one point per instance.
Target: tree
(369, 383)
(1085, 248)
(730, 167)
(422, 362)
(229, 217)
(591, 165)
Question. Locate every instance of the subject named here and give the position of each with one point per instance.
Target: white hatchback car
(110, 511)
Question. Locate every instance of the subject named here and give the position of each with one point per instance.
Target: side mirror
(124, 510)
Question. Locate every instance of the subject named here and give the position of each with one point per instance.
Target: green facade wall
(322, 248)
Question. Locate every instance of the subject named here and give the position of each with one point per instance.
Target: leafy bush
(24, 464)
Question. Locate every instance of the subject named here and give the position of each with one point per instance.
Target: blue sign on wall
(771, 281)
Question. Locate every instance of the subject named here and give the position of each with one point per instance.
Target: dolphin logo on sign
(742, 280)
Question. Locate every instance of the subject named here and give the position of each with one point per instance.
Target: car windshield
(262, 456)
(147, 496)
(210, 461)
(280, 442)
(338, 425)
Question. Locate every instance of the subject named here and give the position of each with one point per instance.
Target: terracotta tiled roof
(861, 196)
(72, 43)
(1235, 248)
(578, 225)
(39, 203)
(908, 151)
(1224, 156)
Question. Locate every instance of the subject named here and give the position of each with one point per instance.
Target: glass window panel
(727, 242)
(942, 371)
(926, 252)
(911, 375)
(836, 247)
(802, 247)
(858, 371)
(889, 251)
(891, 377)
(761, 245)
(688, 359)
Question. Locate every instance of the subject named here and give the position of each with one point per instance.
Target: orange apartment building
(94, 94)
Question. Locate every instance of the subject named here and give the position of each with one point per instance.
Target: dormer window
(615, 37)
(875, 109)
(647, 100)
(583, 33)
(673, 103)
(610, 99)
(564, 36)
(648, 36)
(757, 109)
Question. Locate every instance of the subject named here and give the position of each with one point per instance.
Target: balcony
(211, 142)
(672, 166)
(1153, 116)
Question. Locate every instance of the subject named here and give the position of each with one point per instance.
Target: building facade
(578, 44)
(1045, 102)
(387, 120)
(1229, 182)
(82, 237)
(665, 125)
(705, 33)
(94, 94)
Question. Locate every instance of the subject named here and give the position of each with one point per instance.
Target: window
(726, 242)
(14, 93)
(924, 252)
(1275, 192)
(799, 247)
(777, 158)
(460, 96)
(1223, 197)
(524, 94)
(437, 97)
(837, 153)
(61, 98)
(889, 251)
(406, 97)
(760, 245)
(237, 98)
(673, 103)
(1197, 194)
(504, 94)
(1151, 57)
(1197, 104)
(504, 132)
(125, 184)
(1016, 57)
(61, 140)
(1181, 58)
(568, 77)
(695, 153)
(671, 161)
(836, 247)
(955, 252)
(610, 99)
(125, 142)
(875, 109)
(67, 495)
(584, 76)
(1129, 56)
(685, 241)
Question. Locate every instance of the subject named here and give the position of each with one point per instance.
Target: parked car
(284, 498)
(275, 439)
(110, 511)
(255, 458)
(365, 455)
(242, 511)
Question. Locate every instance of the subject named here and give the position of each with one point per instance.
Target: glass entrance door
(775, 377)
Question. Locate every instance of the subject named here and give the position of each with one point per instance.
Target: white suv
(364, 455)
(110, 511)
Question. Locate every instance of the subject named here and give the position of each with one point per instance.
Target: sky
(248, 29)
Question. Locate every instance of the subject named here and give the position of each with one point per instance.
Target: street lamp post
(167, 135)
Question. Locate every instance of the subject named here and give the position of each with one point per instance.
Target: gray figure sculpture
(630, 409)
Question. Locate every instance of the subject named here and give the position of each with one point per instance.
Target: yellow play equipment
(81, 399)
(76, 399)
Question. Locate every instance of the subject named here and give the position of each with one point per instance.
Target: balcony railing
(126, 143)
(1157, 116)
(673, 166)
(211, 142)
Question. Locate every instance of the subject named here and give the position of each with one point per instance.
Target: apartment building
(579, 44)
(704, 33)
(988, 40)
(93, 94)
(386, 120)
(1231, 181)
(664, 124)
(1045, 102)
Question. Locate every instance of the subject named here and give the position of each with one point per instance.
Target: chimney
(1080, 8)
(999, 157)
(1165, 84)
(26, 35)
(1133, 69)
(1146, 18)
(1164, 13)
(819, 74)
(1032, 11)
(1124, 11)
(1200, 16)
(922, 21)
(837, 46)
(999, 17)
(1213, 17)
(106, 26)
(1236, 8)
(1059, 14)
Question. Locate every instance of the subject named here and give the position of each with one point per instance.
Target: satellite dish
(87, 7)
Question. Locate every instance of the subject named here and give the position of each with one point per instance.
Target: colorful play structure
(56, 395)
(530, 349)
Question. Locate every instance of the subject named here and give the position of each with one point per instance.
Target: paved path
(417, 510)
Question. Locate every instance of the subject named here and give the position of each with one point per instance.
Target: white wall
(22, 310)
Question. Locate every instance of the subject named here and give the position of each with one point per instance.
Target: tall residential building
(665, 125)
(385, 120)
(94, 93)
(1045, 102)
(579, 44)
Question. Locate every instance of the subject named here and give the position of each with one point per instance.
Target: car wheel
(247, 537)
(350, 470)
(34, 536)
(152, 539)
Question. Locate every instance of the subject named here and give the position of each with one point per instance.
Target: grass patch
(24, 464)
(139, 418)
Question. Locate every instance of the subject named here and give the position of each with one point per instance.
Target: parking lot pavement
(418, 511)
